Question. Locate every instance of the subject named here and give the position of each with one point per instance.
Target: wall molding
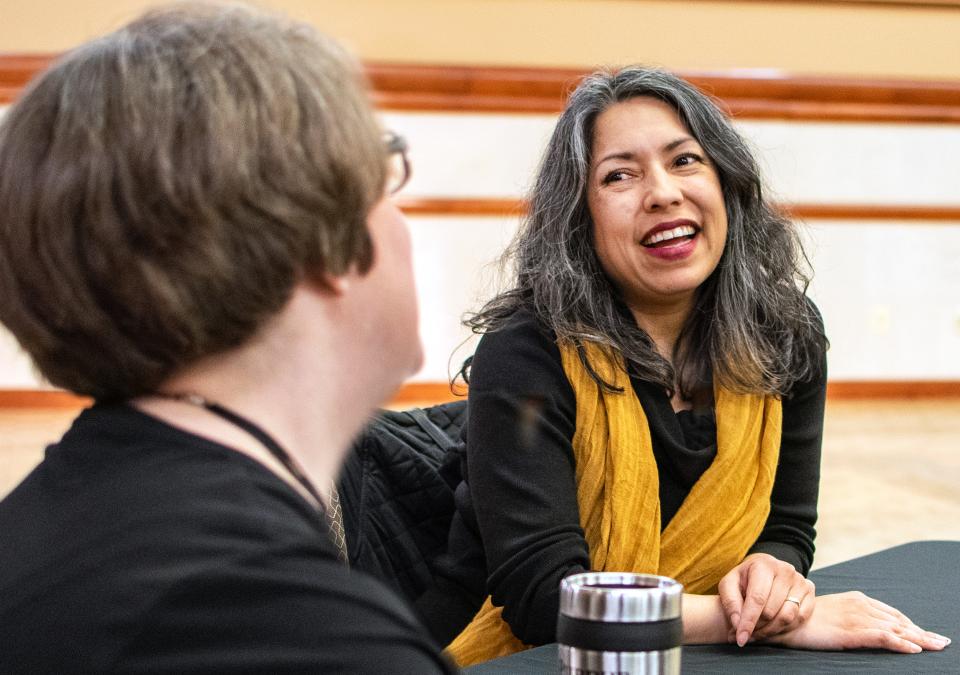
(867, 212)
(506, 207)
(427, 393)
(913, 4)
(747, 94)
(41, 398)
(887, 389)
(16, 70)
(463, 206)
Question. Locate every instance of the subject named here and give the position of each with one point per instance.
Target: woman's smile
(674, 240)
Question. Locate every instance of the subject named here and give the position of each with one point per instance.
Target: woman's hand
(763, 596)
(855, 621)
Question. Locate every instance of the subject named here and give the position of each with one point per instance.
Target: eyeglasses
(398, 164)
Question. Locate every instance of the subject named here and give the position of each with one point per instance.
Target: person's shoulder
(315, 615)
(522, 326)
(522, 334)
(522, 350)
(122, 477)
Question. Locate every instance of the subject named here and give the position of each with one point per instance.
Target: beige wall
(796, 37)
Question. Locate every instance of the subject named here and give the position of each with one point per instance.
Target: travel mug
(617, 623)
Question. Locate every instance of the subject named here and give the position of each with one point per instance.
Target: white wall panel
(813, 162)
(487, 155)
(890, 297)
(456, 270)
(471, 155)
(16, 370)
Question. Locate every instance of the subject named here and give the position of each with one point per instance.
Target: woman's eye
(688, 158)
(615, 177)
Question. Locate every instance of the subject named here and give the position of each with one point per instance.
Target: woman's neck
(664, 324)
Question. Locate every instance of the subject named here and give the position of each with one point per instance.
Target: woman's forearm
(703, 620)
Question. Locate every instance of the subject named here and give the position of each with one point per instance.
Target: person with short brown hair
(196, 230)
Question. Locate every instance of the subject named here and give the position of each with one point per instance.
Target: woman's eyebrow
(622, 154)
(672, 145)
(626, 154)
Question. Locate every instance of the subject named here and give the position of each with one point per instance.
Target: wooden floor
(891, 470)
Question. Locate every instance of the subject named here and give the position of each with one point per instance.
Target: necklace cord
(333, 514)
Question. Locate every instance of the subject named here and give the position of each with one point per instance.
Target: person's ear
(338, 285)
(329, 283)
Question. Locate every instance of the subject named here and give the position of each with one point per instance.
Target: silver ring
(790, 598)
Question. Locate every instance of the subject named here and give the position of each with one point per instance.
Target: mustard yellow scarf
(618, 493)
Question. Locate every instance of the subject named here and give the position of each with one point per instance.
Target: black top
(137, 547)
(521, 474)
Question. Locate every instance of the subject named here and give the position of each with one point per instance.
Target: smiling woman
(648, 394)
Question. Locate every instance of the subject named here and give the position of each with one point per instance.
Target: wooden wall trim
(41, 398)
(505, 207)
(455, 206)
(746, 94)
(18, 69)
(426, 393)
(882, 389)
(912, 4)
(866, 212)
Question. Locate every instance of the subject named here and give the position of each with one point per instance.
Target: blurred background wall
(852, 107)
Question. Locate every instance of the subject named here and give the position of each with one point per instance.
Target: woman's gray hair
(751, 328)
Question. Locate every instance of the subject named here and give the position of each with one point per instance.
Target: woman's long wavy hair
(752, 327)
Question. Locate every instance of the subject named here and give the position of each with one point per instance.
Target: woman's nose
(661, 190)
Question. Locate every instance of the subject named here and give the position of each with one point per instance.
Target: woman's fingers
(887, 627)
(786, 612)
(878, 638)
(897, 638)
(796, 607)
(731, 598)
(758, 588)
(907, 629)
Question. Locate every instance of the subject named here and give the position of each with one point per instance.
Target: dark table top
(921, 579)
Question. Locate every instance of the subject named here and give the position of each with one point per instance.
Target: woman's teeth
(667, 235)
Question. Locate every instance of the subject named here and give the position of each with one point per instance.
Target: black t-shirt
(137, 547)
(519, 496)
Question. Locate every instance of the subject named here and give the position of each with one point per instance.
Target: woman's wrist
(704, 621)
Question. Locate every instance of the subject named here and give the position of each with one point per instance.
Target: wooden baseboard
(427, 393)
(41, 398)
(886, 389)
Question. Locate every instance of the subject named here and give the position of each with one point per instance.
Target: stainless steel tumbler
(614, 623)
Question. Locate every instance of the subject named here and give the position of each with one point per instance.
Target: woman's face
(657, 206)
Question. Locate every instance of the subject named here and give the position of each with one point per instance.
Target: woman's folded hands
(764, 596)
